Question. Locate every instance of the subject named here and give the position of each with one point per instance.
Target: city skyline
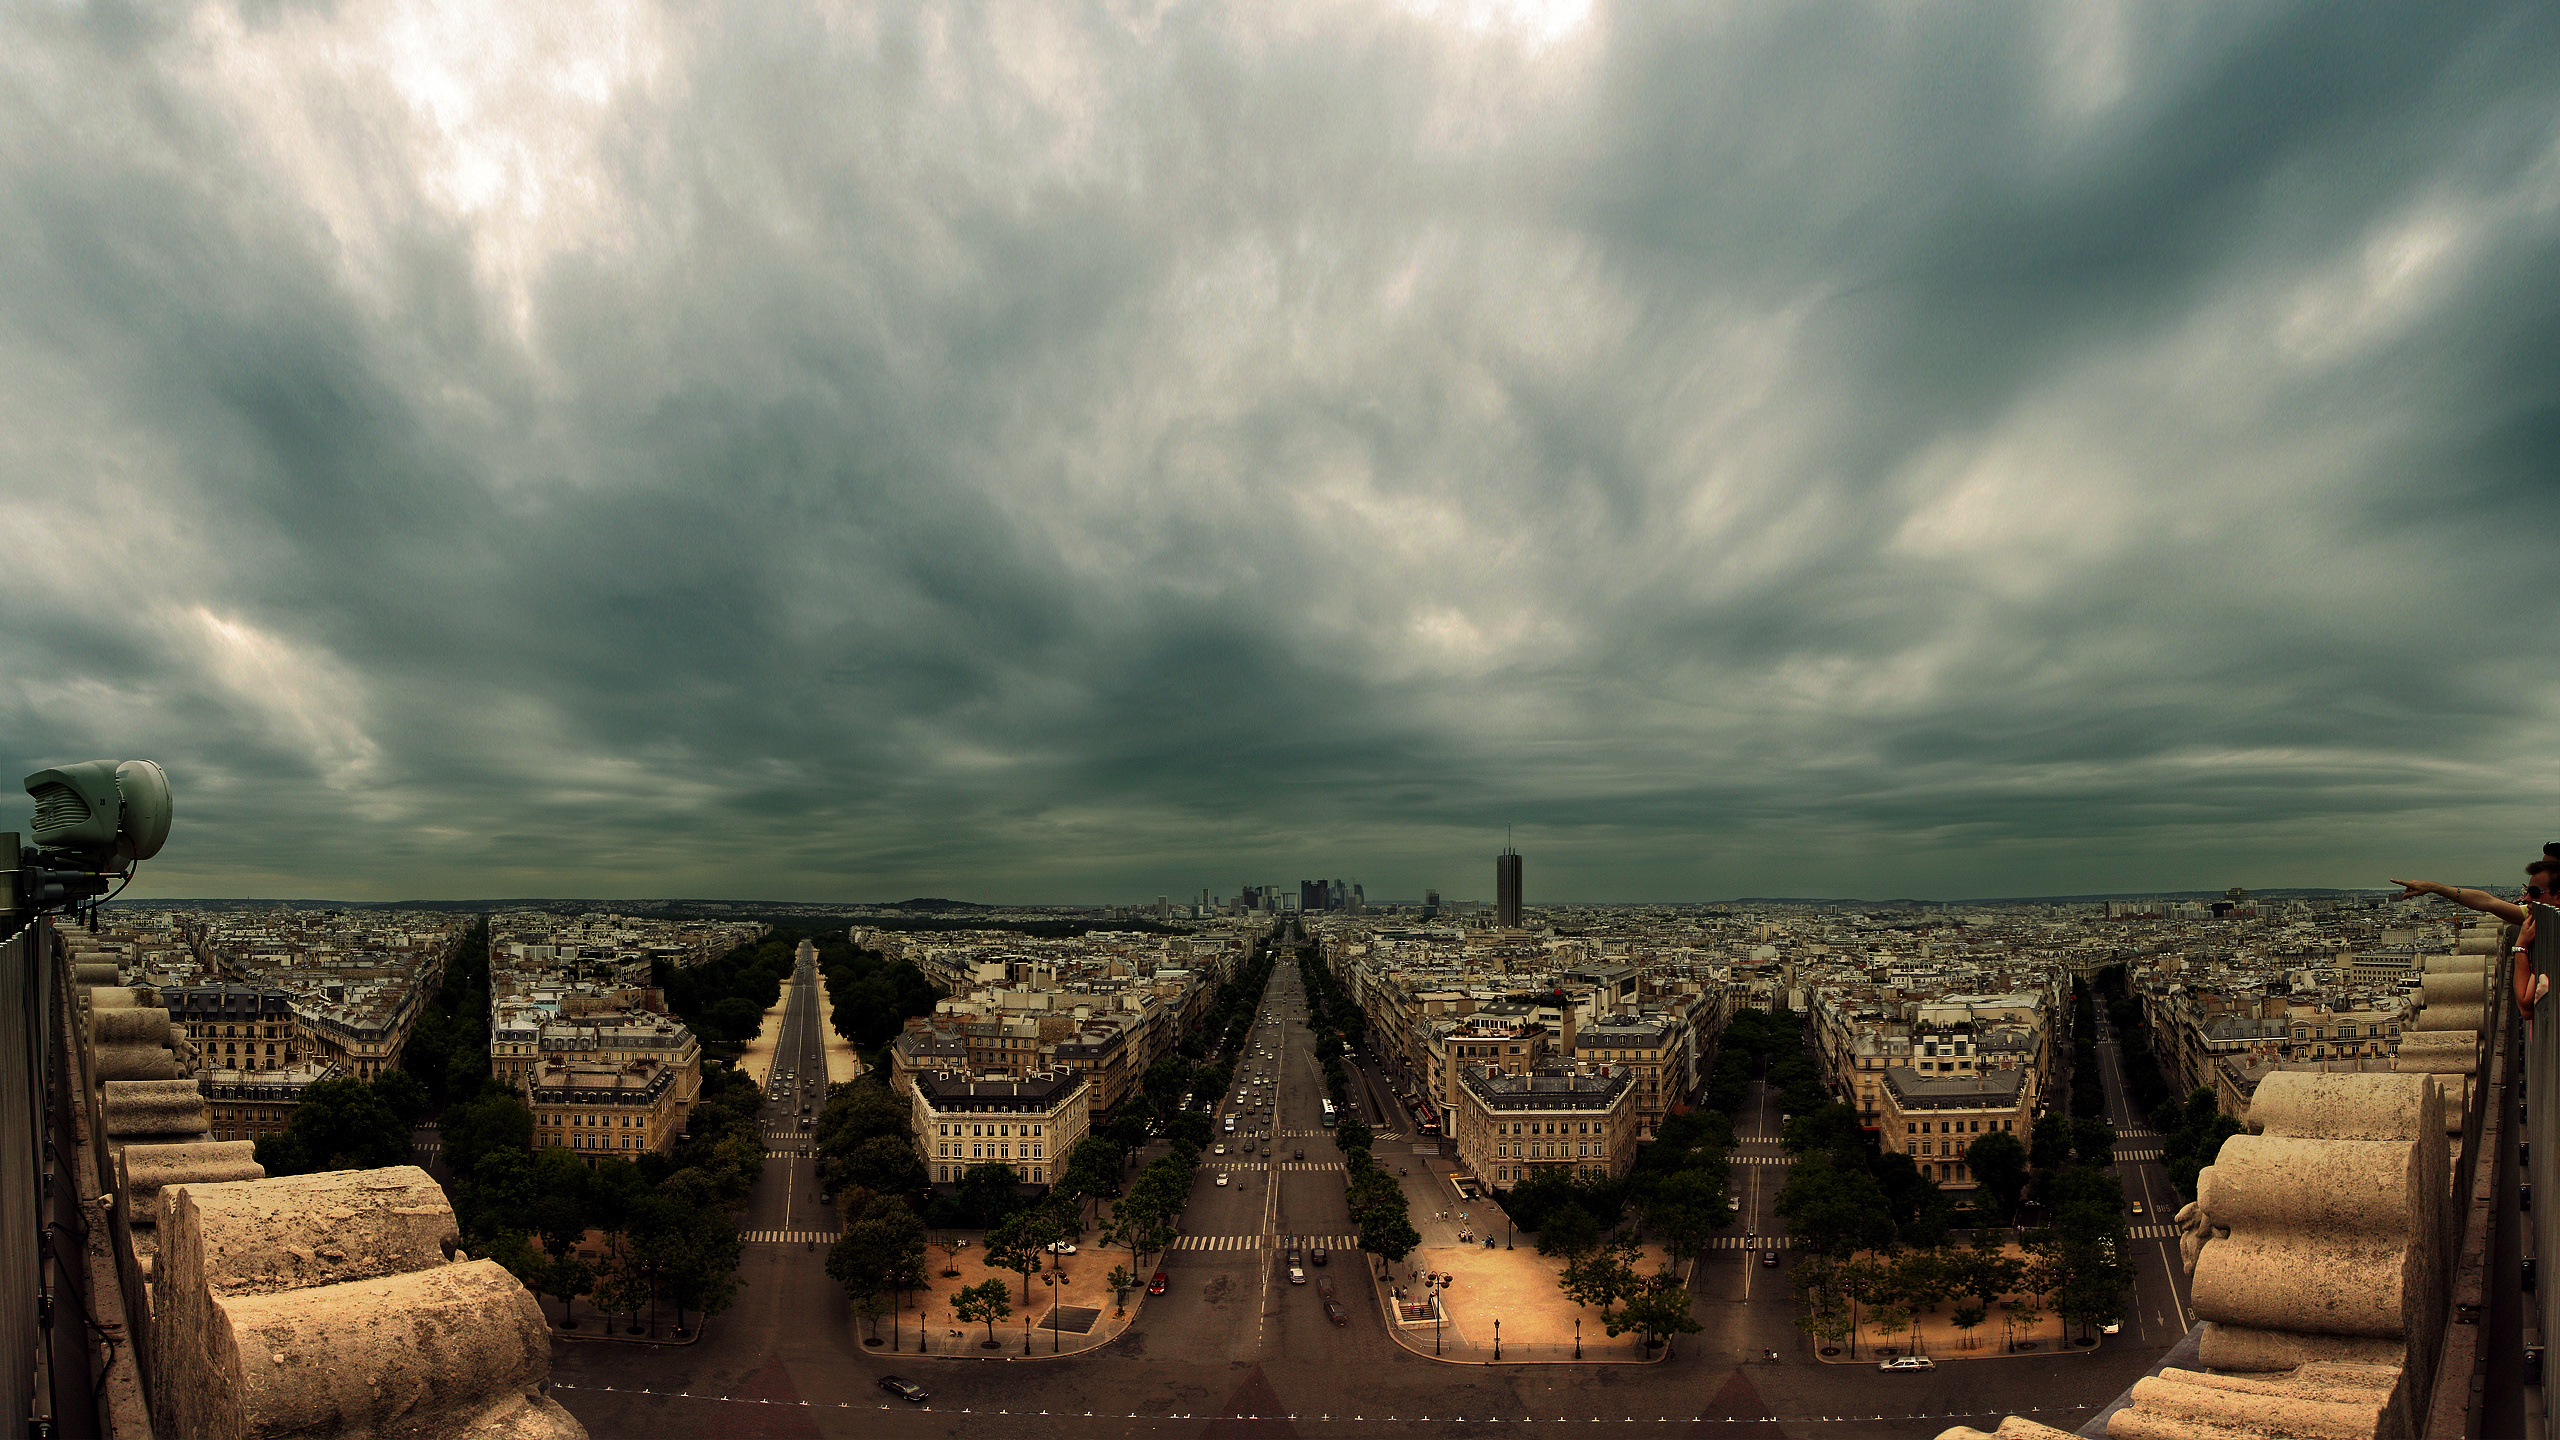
(815, 453)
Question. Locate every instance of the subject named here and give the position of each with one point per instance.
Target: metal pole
(1577, 1337)
(1497, 1339)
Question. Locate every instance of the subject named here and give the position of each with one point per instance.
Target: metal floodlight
(77, 806)
(114, 814)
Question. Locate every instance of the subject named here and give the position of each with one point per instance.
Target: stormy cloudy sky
(1051, 452)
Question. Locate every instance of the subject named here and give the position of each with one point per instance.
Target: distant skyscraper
(1311, 896)
(1430, 904)
(1506, 889)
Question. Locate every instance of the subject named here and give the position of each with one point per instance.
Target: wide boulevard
(1233, 1350)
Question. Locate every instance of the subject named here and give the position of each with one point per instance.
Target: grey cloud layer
(1067, 454)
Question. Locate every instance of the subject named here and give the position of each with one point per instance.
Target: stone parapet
(334, 1304)
(142, 1171)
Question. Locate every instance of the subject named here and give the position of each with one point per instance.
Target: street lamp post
(1497, 1338)
(1577, 1337)
(1026, 1334)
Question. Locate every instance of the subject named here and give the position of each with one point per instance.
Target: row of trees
(723, 999)
(1889, 1291)
(667, 1223)
(1380, 1214)
(348, 1125)
(1758, 1041)
(448, 1047)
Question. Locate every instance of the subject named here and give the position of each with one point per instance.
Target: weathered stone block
(152, 1107)
(142, 1170)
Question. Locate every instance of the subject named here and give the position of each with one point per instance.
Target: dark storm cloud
(1085, 453)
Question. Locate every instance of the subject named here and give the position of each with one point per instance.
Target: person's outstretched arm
(2480, 900)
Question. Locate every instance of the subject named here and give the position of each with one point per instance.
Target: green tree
(1017, 1245)
(339, 1125)
(1835, 1208)
(1568, 1230)
(988, 1193)
(403, 1094)
(1388, 1234)
(881, 1252)
(702, 1270)
(988, 1301)
(734, 1018)
(1653, 1311)
(565, 1278)
(886, 1164)
(1687, 1208)
(482, 1125)
(2049, 1148)
(1999, 1166)
(1120, 1282)
(1602, 1275)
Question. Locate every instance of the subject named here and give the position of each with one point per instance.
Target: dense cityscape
(1296, 1127)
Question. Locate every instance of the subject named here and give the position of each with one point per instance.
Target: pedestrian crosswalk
(1762, 1159)
(2153, 1232)
(2137, 1155)
(788, 1237)
(1265, 1242)
(1745, 1242)
(786, 1154)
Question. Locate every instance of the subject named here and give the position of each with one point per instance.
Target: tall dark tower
(1506, 889)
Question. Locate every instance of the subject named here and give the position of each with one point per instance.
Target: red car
(1158, 1285)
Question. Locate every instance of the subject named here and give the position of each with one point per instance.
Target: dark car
(1334, 1312)
(1315, 1257)
(1769, 1257)
(1158, 1285)
(907, 1390)
(1302, 1154)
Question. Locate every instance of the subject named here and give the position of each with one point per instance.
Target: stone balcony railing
(2355, 1257)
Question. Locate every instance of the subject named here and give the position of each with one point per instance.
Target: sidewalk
(1083, 1298)
(1515, 1287)
(1934, 1334)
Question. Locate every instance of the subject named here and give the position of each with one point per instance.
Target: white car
(1222, 1177)
(1908, 1362)
(1218, 1149)
(2112, 1327)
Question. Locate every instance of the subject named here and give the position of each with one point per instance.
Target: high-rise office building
(1430, 904)
(1506, 889)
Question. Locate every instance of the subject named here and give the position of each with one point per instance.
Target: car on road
(1302, 1154)
(1297, 1276)
(1334, 1312)
(1769, 1258)
(1315, 1257)
(1160, 1284)
(906, 1390)
(1907, 1362)
(1266, 1152)
(2137, 1207)
(1218, 1149)
(2112, 1327)
(1222, 1177)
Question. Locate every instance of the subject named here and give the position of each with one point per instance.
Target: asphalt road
(1233, 1350)
(786, 1200)
(2162, 1310)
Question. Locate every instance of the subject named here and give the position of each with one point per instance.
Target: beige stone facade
(1934, 1119)
(598, 1109)
(1579, 1118)
(1030, 1123)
